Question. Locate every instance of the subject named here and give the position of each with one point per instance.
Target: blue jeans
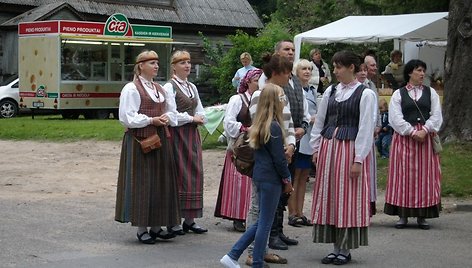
(383, 144)
(268, 194)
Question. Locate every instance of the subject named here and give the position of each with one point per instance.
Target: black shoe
(422, 224)
(276, 243)
(401, 223)
(329, 258)
(149, 241)
(198, 230)
(239, 226)
(176, 232)
(343, 260)
(160, 235)
(287, 240)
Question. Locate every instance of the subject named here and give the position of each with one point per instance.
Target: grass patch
(54, 128)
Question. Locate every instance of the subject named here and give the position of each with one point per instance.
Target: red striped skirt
(338, 199)
(234, 195)
(414, 173)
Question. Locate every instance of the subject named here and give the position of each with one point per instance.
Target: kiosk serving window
(85, 60)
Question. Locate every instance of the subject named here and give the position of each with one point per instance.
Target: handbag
(437, 146)
(243, 155)
(150, 143)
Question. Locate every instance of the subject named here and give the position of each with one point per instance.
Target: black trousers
(277, 224)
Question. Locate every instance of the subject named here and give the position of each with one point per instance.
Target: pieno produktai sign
(116, 25)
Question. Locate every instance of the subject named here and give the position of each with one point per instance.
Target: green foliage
(225, 64)
(391, 7)
(303, 15)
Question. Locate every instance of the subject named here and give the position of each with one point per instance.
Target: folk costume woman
(342, 139)
(414, 173)
(187, 146)
(234, 194)
(147, 193)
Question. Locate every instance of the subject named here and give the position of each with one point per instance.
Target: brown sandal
(274, 258)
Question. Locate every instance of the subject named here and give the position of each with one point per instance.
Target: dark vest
(244, 116)
(343, 115)
(149, 108)
(295, 98)
(183, 102)
(410, 111)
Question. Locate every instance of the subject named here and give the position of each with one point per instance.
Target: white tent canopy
(374, 29)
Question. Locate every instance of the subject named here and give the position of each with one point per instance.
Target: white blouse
(230, 124)
(395, 115)
(365, 134)
(130, 101)
(190, 90)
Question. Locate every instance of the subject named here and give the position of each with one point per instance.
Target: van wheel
(8, 109)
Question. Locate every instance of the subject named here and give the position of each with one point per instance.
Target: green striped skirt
(344, 238)
(403, 212)
(147, 193)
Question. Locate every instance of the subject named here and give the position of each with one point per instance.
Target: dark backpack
(243, 155)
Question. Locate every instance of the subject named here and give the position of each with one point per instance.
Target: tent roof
(373, 29)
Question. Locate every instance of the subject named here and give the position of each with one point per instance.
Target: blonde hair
(143, 57)
(302, 63)
(179, 55)
(245, 55)
(383, 104)
(269, 108)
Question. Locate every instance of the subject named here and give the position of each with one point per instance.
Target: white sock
(228, 262)
(336, 249)
(345, 252)
(142, 230)
(157, 229)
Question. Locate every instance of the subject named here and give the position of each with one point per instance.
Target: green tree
(222, 65)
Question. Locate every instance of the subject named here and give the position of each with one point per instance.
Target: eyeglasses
(282, 98)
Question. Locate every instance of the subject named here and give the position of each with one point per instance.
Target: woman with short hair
(414, 173)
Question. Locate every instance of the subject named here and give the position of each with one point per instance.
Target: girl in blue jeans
(270, 175)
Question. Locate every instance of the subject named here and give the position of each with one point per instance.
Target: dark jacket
(270, 163)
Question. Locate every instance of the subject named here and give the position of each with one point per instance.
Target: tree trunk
(457, 106)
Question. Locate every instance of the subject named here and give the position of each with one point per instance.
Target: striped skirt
(234, 195)
(414, 174)
(187, 147)
(147, 193)
(340, 209)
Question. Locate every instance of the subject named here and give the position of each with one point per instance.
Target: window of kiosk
(133, 49)
(108, 61)
(84, 60)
